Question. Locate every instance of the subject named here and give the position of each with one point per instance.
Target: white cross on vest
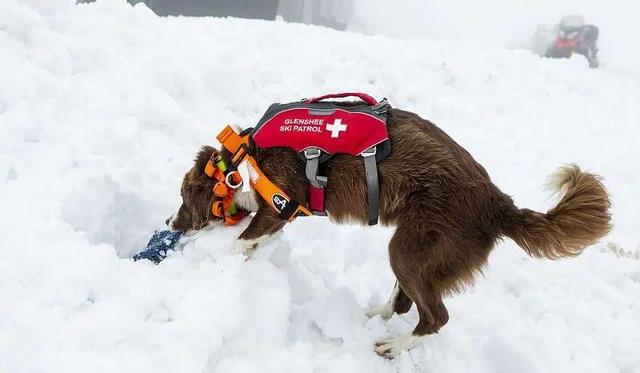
(336, 127)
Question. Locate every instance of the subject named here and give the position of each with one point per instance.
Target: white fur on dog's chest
(246, 200)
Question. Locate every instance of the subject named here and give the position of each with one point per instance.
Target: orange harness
(229, 180)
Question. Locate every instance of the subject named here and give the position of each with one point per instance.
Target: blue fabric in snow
(159, 244)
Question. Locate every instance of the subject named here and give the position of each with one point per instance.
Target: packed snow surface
(102, 109)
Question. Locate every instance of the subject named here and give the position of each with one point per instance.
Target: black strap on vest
(373, 192)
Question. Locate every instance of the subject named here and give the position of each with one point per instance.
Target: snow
(102, 108)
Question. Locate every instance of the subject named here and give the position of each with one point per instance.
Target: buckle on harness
(381, 107)
(311, 169)
(231, 177)
(239, 154)
(369, 152)
(312, 152)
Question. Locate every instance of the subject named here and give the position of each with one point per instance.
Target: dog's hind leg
(414, 254)
(398, 302)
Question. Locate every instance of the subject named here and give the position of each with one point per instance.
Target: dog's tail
(580, 218)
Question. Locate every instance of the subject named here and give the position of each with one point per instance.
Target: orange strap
(286, 207)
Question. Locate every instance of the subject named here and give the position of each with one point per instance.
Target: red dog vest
(330, 127)
(318, 129)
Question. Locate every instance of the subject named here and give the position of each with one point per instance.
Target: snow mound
(103, 107)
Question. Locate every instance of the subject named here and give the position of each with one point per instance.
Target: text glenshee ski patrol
(302, 125)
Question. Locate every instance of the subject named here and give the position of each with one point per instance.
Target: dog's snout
(168, 220)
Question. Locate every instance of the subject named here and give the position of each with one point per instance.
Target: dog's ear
(203, 157)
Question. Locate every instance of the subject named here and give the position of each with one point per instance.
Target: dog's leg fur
(283, 167)
(262, 226)
(420, 273)
(402, 303)
(398, 302)
(385, 310)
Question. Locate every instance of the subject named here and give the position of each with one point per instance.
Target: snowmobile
(570, 36)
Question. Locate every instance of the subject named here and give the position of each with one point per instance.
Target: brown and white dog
(447, 213)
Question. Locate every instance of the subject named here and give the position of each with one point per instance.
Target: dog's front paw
(245, 247)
